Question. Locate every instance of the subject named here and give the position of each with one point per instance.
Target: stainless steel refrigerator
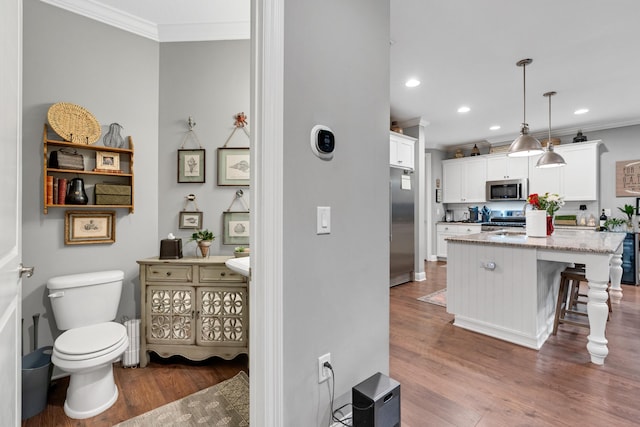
(402, 226)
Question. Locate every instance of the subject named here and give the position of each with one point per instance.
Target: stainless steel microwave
(507, 189)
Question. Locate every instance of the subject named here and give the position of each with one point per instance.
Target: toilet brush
(36, 319)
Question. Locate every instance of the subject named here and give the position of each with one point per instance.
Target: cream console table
(192, 307)
(505, 284)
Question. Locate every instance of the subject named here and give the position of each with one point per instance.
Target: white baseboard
(419, 277)
(432, 258)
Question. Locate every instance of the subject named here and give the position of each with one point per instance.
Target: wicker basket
(74, 123)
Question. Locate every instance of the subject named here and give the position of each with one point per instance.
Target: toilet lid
(90, 339)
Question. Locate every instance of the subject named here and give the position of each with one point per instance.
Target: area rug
(223, 404)
(437, 298)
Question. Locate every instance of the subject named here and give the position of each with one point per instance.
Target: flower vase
(204, 246)
(550, 225)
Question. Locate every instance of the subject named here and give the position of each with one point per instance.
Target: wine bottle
(603, 219)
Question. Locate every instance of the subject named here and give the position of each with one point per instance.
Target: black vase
(75, 193)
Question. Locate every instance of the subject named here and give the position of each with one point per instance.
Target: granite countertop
(565, 240)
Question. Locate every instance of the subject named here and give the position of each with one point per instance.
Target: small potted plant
(628, 210)
(204, 239)
(615, 224)
(241, 251)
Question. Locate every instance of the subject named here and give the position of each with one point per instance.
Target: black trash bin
(36, 378)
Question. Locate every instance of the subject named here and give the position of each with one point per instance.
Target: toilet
(84, 306)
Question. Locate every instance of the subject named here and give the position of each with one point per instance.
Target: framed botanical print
(190, 219)
(235, 228)
(233, 167)
(86, 227)
(191, 166)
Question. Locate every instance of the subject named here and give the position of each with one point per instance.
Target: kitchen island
(505, 284)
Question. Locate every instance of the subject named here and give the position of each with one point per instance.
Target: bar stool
(569, 297)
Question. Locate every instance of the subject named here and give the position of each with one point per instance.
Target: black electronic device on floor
(376, 402)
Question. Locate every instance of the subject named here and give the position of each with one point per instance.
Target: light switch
(323, 220)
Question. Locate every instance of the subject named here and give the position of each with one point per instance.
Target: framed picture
(191, 165)
(627, 173)
(86, 227)
(190, 219)
(107, 161)
(233, 167)
(235, 228)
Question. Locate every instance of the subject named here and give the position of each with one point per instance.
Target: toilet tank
(85, 299)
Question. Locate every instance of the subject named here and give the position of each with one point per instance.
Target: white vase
(536, 223)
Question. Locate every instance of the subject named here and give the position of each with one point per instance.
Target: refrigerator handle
(390, 211)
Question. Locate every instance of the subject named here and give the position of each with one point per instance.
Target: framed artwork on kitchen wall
(628, 178)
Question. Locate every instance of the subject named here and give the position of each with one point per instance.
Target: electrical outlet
(323, 372)
(607, 212)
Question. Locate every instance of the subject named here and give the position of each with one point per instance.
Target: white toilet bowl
(87, 354)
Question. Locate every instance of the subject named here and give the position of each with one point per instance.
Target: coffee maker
(474, 214)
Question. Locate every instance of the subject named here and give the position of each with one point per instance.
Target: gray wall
(208, 81)
(619, 144)
(114, 75)
(336, 287)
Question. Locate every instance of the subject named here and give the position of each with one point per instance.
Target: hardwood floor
(161, 382)
(449, 376)
(454, 377)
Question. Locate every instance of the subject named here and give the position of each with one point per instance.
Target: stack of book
(56, 190)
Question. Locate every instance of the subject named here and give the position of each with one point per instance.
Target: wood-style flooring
(141, 390)
(449, 376)
(453, 377)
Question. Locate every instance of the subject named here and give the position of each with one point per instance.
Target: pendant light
(525, 144)
(550, 159)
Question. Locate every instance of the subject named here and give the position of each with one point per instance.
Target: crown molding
(158, 32)
(203, 32)
(108, 15)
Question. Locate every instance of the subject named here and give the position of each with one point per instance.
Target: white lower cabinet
(444, 230)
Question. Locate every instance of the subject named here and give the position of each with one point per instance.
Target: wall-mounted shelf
(92, 177)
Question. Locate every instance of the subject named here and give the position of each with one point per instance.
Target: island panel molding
(505, 285)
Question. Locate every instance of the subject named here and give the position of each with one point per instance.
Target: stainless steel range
(504, 219)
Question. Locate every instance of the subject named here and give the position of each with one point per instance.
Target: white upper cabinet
(464, 180)
(577, 181)
(401, 149)
(501, 166)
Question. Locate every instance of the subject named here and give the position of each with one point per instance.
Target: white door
(10, 214)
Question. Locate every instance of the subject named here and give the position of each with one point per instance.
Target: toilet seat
(89, 342)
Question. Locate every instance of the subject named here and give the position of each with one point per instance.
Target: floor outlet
(323, 372)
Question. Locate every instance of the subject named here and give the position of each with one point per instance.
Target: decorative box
(171, 249)
(112, 194)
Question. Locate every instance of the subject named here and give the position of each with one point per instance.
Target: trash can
(36, 378)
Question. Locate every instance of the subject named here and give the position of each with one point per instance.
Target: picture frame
(191, 166)
(234, 167)
(107, 161)
(190, 219)
(627, 184)
(89, 227)
(236, 228)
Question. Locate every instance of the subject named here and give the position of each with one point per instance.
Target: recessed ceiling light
(496, 127)
(581, 111)
(412, 83)
(464, 109)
